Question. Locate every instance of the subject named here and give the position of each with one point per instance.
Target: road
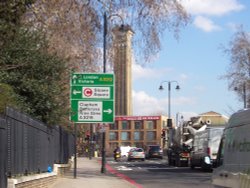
(156, 173)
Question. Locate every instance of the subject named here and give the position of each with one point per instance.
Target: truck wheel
(170, 162)
(178, 163)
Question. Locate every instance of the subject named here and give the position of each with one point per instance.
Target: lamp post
(169, 120)
(105, 28)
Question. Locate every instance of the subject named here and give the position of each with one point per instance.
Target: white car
(136, 154)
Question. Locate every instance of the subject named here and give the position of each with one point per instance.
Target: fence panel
(3, 154)
(33, 146)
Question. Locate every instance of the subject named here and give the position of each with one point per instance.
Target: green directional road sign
(92, 98)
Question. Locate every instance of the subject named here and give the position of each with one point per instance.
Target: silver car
(136, 154)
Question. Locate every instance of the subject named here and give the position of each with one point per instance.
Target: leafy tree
(10, 18)
(8, 97)
(31, 77)
(36, 76)
(238, 73)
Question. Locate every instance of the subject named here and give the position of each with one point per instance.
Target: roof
(212, 113)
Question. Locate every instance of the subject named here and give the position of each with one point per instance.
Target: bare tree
(75, 27)
(238, 73)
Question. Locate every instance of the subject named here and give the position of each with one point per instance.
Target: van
(125, 150)
(205, 147)
(233, 160)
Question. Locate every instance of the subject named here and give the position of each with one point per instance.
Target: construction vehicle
(197, 149)
(179, 152)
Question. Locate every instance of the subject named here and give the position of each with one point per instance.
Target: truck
(205, 146)
(179, 155)
(179, 152)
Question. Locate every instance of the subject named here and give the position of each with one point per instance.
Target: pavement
(89, 175)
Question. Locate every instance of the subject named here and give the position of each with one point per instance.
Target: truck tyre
(191, 165)
(178, 163)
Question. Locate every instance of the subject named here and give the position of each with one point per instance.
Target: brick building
(137, 131)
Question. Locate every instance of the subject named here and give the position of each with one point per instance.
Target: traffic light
(169, 123)
(163, 133)
(87, 137)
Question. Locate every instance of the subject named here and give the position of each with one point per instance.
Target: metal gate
(3, 154)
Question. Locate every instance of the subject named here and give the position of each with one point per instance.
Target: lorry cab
(233, 159)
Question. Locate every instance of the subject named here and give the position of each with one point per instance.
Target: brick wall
(38, 183)
(33, 181)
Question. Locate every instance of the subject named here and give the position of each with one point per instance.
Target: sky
(196, 61)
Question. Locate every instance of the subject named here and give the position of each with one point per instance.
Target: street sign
(92, 98)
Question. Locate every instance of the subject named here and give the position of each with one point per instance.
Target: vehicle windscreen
(139, 150)
(154, 148)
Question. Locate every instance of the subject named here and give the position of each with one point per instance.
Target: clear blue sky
(196, 61)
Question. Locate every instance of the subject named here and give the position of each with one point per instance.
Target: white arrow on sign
(76, 92)
(109, 111)
(74, 79)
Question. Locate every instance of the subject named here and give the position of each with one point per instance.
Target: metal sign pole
(75, 158)
(103, 168)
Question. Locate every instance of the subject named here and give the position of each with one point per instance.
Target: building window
(138, 135)
(150, 125)
(125, 125)
(113, 136)
(138, 125)
(125, 136)
(114, 126)
(151, 135)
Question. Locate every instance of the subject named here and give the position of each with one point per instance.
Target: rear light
(143, 153)
(208, 151)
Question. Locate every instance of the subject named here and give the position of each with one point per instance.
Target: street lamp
(105, 28)
(169, 120)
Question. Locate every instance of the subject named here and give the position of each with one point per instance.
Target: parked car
(136, 154)
(154, 151)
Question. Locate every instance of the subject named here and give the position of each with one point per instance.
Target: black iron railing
(28, 146)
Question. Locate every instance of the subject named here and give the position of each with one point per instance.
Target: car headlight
(207, 160)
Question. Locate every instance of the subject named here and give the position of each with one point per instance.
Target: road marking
(111, 170)
(123, 168)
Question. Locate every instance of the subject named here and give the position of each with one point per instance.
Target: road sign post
(92, 98)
